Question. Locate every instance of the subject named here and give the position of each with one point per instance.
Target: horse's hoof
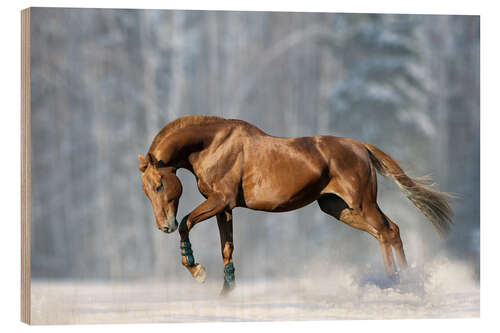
(395, 277)
(201, 274)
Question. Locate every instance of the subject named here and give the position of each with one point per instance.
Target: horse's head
(163, 188)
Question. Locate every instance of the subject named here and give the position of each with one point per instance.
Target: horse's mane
(183, 122)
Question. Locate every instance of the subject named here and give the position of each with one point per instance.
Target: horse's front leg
(225, 223)
(212, 206)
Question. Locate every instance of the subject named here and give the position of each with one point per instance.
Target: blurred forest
(105, 81)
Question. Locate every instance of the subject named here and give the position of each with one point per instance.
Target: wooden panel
(25, 168)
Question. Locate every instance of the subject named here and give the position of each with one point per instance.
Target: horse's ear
(143, 163)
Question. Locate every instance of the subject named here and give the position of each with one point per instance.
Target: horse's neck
(177, 149)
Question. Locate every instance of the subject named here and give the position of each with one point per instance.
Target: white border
(10, 152)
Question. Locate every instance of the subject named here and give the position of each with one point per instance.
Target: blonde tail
(431, 202)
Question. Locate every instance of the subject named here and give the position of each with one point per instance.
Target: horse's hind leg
(397, 244)
(369, 219)
(390, 266)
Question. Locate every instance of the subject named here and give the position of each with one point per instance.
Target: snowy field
(446, 290)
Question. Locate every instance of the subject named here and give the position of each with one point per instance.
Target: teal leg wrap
(229, 275)
(187, 252)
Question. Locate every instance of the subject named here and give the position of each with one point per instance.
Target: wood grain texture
(25, 168)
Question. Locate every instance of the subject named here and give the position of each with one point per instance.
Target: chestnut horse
(238, 165)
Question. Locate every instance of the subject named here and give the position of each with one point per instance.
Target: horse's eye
(159, 187)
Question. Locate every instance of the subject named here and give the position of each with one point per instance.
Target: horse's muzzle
(170, 226)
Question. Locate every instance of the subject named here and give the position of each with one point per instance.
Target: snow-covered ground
(445, 290)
